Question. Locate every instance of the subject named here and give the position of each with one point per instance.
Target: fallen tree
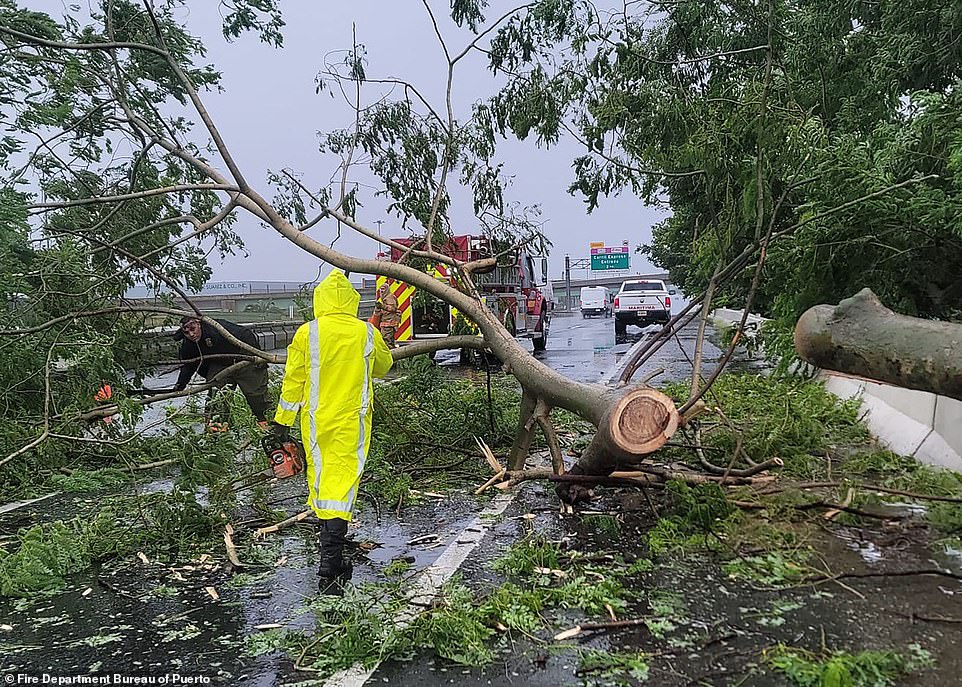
(119, 218)
(861, 337)
(633, 421)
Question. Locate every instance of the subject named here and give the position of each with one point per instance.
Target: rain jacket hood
(329, 380)
(335, 295)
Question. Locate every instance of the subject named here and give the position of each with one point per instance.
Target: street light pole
(567, 282)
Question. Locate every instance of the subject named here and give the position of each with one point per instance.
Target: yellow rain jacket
(331, 364)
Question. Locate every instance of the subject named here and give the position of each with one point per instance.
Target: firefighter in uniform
(331, 364)
(206, 351)
(387, 314)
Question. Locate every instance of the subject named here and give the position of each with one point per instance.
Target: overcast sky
(269, 115)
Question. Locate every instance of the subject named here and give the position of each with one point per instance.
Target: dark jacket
(212, 342)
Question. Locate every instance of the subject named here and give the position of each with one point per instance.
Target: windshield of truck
(643, 286)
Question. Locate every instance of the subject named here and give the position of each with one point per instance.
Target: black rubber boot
(333, 570)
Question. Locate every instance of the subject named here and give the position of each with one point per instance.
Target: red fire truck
(517, 290)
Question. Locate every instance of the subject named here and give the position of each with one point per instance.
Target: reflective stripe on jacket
(331, 364)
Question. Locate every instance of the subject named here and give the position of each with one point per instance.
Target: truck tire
(540, 343)
(621, 329)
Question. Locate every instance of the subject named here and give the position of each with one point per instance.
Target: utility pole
(567, 282)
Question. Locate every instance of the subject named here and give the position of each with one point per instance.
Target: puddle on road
(869, 552)
(586, 351)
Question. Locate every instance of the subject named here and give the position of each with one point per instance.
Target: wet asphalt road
(83, 632)
(585, 349)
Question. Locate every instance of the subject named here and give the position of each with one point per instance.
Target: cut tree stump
(640, 422)
(636, 424)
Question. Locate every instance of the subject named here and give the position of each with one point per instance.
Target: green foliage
(361, 627)
(260, 16)
(470, 12)
(396, 568)
(774, 568)
(163, 591)
(526, 555)
(241, 580)
(62, 254)
(457, 628)
(46, 554)
(614, 666)
(907, 474)
(841, 669)
(408, 146)
(682, 109)
(603, 524)
(569, 583)
(266, 642)
(700, 515)
(426, 420)
(780, 417)
(88, 480)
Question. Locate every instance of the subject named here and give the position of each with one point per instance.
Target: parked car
(641, 302)
(595, 300)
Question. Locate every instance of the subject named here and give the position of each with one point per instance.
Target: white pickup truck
(641, 302)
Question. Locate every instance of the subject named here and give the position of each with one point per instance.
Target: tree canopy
(113, 174)
(816, 144)
(794, 116)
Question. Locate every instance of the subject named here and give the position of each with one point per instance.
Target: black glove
(281, 432)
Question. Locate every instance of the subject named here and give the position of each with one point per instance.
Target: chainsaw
(286, 459)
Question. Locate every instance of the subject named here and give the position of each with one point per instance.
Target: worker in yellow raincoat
(331, 364)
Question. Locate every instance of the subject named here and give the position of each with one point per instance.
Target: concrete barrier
(266, 340)
(912, 423)
(727, 317)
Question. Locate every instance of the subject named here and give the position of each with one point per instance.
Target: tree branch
(97, 200)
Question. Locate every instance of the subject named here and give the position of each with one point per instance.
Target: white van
(595, 300)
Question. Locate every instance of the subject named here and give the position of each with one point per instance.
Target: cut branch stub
(862, 337)
(640, 422)
(637, 423)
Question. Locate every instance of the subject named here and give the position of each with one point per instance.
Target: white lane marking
(6, 508)
(427, 585)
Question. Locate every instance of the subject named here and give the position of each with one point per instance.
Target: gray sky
(269, 115)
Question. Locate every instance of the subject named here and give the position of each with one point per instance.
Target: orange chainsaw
(286, 459)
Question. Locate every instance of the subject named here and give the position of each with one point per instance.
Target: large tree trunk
(862, 337)
(625, 433)
(637, 422)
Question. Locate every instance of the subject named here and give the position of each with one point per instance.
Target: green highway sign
(610, 261)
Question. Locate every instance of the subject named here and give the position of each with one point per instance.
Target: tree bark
(636, 423)
(522, 437)
(862, 337)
